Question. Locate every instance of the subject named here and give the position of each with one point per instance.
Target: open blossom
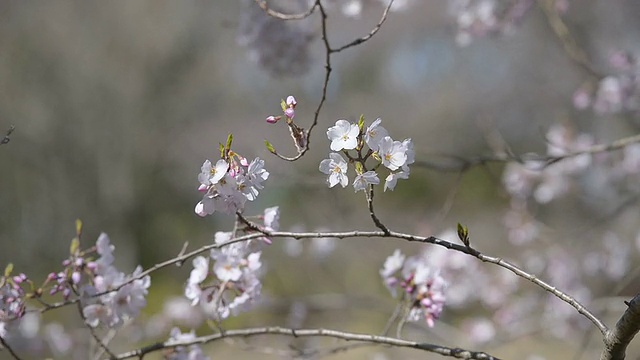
(363, 180)
(336, 168)
(210, 175)
(343, 135)
(392, 179)
(392, 153)
(374, 134)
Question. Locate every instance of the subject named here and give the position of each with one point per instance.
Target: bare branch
(374, 339)
(569, 43)
(453, 163)
(9, 349)
(372, 213)
(278, 15)
(617, 339)
(373, 31)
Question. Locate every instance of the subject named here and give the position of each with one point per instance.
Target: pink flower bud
(75, 277)
(92, 266)
(273, 119)
(290, 113)
(203, 188)
(291, 101)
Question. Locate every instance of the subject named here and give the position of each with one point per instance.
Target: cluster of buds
(288, 108)
(229, 183)
(298, 134)
(422, 287)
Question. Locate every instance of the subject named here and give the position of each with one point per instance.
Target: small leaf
(78, 227)
(361, 122)
(463, 234)
(221, 148)
(283, 105)
(359, 169)
(269, 147)
(75, 245)
(229, 141)
(8, 270)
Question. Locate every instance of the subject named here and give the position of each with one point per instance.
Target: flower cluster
(229, 183)
(396, 156)
(233, 271)
(423, 287)
(614, 93)
(123, 296)
(12, 298)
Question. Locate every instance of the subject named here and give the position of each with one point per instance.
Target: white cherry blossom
(374, 134)
(362, 181)
(343, 135)
(336, 168)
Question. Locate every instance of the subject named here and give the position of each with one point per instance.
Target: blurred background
(117, 104)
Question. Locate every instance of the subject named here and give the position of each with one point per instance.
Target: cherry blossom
(374, 134)
(336, 168)
(343, 135)
(362, 181)
(392, 153)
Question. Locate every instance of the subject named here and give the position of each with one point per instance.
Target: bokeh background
(117, 104)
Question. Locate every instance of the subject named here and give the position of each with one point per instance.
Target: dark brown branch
(617, 339)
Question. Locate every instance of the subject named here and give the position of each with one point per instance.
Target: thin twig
(372, 213)
(95, 336)
(278, 15)
(375, 339)
(569, 43)
(7, 138)
(6, 346)
(373, 31)
(454, 163)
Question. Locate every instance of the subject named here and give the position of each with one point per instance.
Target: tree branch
(617, 339)
(375, 339)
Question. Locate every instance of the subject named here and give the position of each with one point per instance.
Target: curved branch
(375, 339)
